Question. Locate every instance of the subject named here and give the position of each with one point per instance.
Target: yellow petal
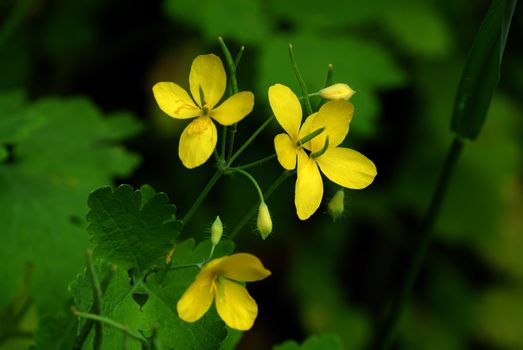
(285, 151)
(309, 187)
(175, 101)
(197, 299)
(208, 73)
(234, 109)
(242, 267)
(347, 167)
(235, 306)
(286, 108)
(197, 142)
(335, 117)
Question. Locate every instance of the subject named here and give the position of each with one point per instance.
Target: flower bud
(337, 92)
(337, 205)
(264, 221)
(216, 231)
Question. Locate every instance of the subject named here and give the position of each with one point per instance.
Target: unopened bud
(216, 231)
(337, 205)
(264, 221)
(337, 91)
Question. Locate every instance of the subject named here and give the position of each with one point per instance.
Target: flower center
(206, 109)
(198, 126)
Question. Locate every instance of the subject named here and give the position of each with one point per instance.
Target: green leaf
(482, 70)
(71, 151)
(56, 332)
(241, 20)
(15, 124)
(329, 14)
(158, 313)
(131, 231)
(419, 29)
(501, 317)
(322, 342)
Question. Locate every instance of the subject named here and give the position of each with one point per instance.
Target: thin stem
(251, 178)
(389, 329)
(308, 106)
(230, 65)
(257, 162)
(185, 266)
(250, 139)
(330, 78)
(234, 128)
(254, 208)
(88, 325)
(97, 300)
(113, 324)
(224, 141)
(202, 196)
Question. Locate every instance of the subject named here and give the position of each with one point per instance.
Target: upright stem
(202, 196)
(303, 86)
(386, 336)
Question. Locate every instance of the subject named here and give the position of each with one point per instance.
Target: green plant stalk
(386, 336)
(114, 324)
(97, 300)
(252, 179)
(257, 162)
(253, 210)
(249, 140)
(234, 127)
(202, 196)
(303, 86)
(88, 325)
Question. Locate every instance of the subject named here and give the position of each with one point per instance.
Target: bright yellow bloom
(343, 166)
(207, 82)
(220, 280)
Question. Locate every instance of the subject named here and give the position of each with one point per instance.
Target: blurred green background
(77, 113)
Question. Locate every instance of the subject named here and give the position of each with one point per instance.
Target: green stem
(186, 266)
(251, 178)
(257, 162)
(253, 210)
(389, 329)
(230, 65)
(88, 325)
(308, 106)
(202, 196)
(114, 324)
(249, 140)
(224, 141)
(97, 300)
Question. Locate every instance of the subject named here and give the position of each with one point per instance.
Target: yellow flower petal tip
(207, 83)
(337, 91)
(219, 280)
(314, 145)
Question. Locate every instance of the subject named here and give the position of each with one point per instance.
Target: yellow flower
(220, 280)
(344, 166)
(207, 82)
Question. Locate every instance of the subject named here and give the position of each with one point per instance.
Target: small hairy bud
(216, 231)
(264, 221)
(337, 92)
(336, 205)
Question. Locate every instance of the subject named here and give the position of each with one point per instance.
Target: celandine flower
(344, 166)
(207, 82)
(220, 280)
